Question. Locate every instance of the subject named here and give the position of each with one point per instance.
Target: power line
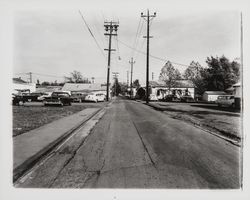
(136, 36)
(152, 56)
(92, 34)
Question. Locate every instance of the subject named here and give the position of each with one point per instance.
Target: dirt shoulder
(34, 115)
(224, 121)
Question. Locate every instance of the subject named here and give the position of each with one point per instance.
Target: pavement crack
(73, 153)
(144, 145)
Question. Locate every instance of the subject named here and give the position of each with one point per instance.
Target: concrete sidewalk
(31, 146)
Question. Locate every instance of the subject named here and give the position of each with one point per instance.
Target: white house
(212, 95)
(182, 88)
(86, 87)
(237, 94)
(21, 85)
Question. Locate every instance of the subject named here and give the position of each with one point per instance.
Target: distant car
(225, 100)
(58, 98)
(171, 97)
(78, 96)
(95, 97)
(187, 99)
(42, 97)
(17, 100)
(153, 97)
(32, 96)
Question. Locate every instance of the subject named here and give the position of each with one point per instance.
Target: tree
(116, 87)
(221, 73)
(194, 73)
(124, 88)
(136, 84)
(75, 77)
(45, 83)
(169, 75)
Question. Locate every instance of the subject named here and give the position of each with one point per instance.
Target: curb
(226, 136)
(29, 163)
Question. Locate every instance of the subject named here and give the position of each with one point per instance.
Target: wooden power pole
(147, 17)
(110, 27)
(131, 77)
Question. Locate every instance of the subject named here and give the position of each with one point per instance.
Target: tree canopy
(218, 76)
(76, 77)
(169, 74)
(221, 73)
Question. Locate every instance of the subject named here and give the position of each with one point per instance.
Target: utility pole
(109, 28)
(131, 77)
(30, 73)
(241, 44)
(152, 76)
(147, 17)
(127, 78)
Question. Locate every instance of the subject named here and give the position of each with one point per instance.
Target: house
(181, 88)
(48, 88)
(20, 85)
(86, 87)
(237, 94)
(212, 96)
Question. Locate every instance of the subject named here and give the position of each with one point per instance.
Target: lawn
(226, 121)
(31, 116)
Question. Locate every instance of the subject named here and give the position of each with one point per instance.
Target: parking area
(34, 114)
(224, 120)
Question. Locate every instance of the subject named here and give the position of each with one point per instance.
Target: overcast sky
(56, 42)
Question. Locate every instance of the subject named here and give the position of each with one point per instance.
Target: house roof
(48, 89)
(184, 83)
(214, 92)
(19, 81)
(83, 87)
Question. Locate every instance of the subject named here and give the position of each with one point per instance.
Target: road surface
(134, 146)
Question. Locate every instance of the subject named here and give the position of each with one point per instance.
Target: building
(48, 88)
(181, 88)
(86, 87)
(21, 85)
(237, 94)
(212, 96)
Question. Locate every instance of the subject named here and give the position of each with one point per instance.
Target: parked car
(78, 96)
(95, 97)
(58, 98)
(153, 97)
(187, 99)
(17, 100)
(171, 97)
(42, 97)
(225, 100)
(32, 96)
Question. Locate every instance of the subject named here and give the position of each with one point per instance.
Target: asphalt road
(134, 146)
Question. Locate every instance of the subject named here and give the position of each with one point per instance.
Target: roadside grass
(29, 117)
(223, 121)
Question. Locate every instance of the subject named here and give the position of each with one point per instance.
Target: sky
(52, 43)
